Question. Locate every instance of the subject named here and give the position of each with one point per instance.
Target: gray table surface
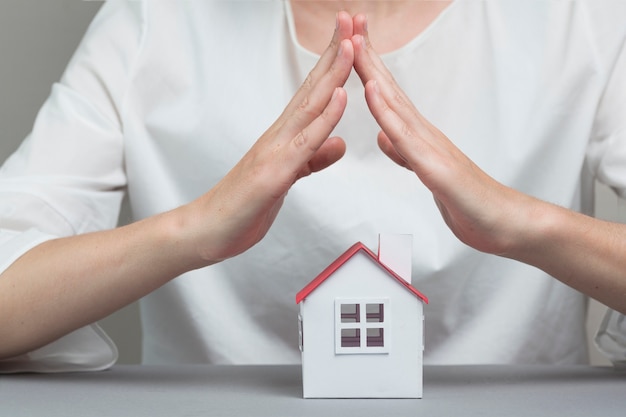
(206, 390)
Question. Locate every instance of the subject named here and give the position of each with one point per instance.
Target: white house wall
(394, 374)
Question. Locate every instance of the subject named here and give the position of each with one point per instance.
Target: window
(361, 326)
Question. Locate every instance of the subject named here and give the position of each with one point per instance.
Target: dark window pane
(375, 313)
(350, 313)
(375, 337)
(350, 337)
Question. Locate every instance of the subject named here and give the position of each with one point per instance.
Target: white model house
(362, 325)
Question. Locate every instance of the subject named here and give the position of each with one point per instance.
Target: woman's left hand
(475, 206)
(585, 253)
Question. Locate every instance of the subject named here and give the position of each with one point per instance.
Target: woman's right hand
(63, 284)
(238, 211)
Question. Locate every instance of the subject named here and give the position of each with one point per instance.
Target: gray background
(37, 38)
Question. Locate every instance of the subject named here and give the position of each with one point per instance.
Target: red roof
(311, 286)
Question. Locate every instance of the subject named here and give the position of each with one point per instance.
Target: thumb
(330, 152)
(388, 149)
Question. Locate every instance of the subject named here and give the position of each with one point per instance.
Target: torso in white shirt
(499, 103)
(515, 87)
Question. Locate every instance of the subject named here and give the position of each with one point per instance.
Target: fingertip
(359, 22)
(339, 97)
(343, 25)
(372, 90)
(383, 142)
(337, 146)
(346, 48)
(331, 151)
(343, 16)
(358, 41)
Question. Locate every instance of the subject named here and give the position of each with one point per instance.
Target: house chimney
(395, 252)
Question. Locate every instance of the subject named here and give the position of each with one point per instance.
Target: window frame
(362, 325)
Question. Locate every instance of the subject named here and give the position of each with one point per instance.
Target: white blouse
(162, 98)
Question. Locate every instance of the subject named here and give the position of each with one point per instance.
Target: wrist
(537, 226)
(174, 237)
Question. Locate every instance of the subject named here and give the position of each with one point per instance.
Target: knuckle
(406, 131)
(307, 109)
(304, 105)
(333, 71)
(307, 84)
(333, 42)
(399, 99)
(300, 139)
(326, 118)
(303, 139)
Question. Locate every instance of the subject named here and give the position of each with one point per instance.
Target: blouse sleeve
(607, 149)
(67, 177)
(611, 338)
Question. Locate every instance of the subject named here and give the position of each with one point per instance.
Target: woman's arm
(584, 253)
(64, 284)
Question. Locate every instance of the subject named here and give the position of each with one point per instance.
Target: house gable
(341, 260)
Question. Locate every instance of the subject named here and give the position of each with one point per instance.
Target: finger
(397, 132)
(359, 24)
(317, 98)
(368, 63)
(423, 149)
(388, 149)
(304, 145)
(369, 66)
(330, 152)
(342, 32)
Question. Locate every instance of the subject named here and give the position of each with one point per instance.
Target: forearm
(67, 283)
(583, 252)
